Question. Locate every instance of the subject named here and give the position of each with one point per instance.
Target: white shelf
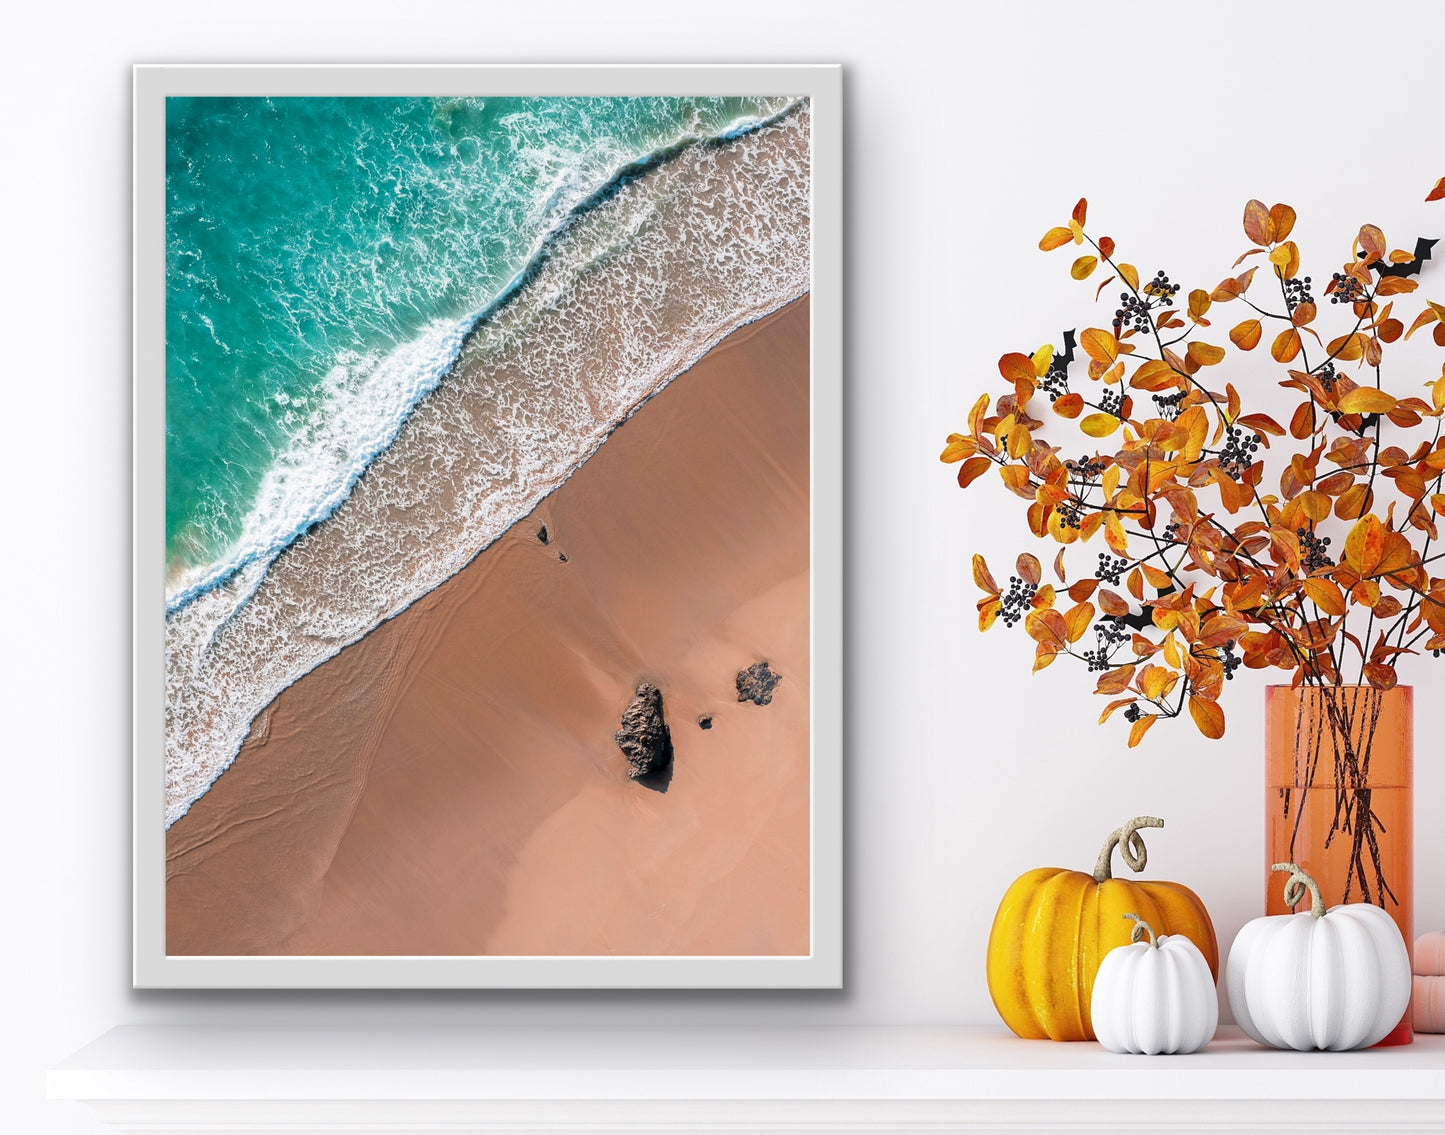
(465, 1079)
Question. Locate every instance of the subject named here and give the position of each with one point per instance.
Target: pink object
(1427, 999)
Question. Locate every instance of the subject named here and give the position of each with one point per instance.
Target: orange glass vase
(1338, 772)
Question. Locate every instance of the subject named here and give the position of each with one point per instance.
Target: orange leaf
(1106, 246)
(1326, 595)
(1069, 406)
(1080, 211)
(1016, 366)
(1056, 237)
(1246, 336)
(1438, 192)
(1199, 302)
(1130, 275)
(1286, 346)
(1059, 566)
(1366, 400)
(1395, 285)
(1077, 620)
(982, 576)
(1354, 502)
(1365, 544)
(1282, 217)
(1257, 224)
(1114, 604)
(1208, 716)
(1083, 266)
(1140, 727)
(1380, 676)
(971, 470)
(1372, 242)
(1262, 423)
(1099, 345)
(1154, 374)
(1029, 568)
(1113, 705)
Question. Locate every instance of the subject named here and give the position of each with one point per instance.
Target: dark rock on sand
(705, 721)
(644, 737)
(757, 683)
(542, 535)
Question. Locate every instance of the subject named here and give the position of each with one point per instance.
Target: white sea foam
(633, 291)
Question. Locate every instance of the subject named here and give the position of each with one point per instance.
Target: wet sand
(450, 785)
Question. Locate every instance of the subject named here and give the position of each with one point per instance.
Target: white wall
(968, 134)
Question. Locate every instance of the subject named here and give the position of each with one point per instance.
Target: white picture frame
(821, 967)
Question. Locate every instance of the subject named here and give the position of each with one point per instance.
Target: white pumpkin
(1155, 996)
(1335, 980)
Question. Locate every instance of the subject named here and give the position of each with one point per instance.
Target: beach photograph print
(488, 624)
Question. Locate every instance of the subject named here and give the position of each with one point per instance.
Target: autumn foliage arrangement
(1231, 538)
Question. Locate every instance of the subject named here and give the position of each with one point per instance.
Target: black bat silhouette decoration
(1409, 267)
(1145, 618)
(1063, 359)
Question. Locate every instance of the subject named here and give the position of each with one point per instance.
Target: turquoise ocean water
(325, 259)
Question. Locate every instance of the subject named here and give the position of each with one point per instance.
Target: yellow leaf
(1043, 358)
(1099, 425)
(1204, 354)
(1366, 400)
(1083, 266)
(1365, 544)
(1130, 275)
(1285, 258)
(1208, 716)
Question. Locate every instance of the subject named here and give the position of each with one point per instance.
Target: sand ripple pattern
(637, 290)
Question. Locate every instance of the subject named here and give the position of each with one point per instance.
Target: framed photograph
(488, 526)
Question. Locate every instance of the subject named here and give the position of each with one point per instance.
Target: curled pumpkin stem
(1130, 844)
(1294, 890)
(1140, 929)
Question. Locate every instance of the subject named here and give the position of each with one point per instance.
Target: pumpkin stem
(1133, 850)
(1140, 929)
(1294, 890)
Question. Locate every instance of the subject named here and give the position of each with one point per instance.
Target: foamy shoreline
(638, 289)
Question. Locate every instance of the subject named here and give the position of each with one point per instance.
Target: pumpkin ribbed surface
(1051, 933)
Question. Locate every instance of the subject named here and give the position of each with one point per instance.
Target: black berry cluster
(1086, 468)
(1111, 402)
(1171, 531)
(1055, 384)
(1238, 452)
(1313, 554)
(1016, 602)
(1168, 404)
(1133, 712)
(1347, 289)
(1326, 374)
(1111, 568)
(1231, 661)
(1071, 513)
(1109, 632)
(1133, 315)
(1161, 289)
(1296, 292)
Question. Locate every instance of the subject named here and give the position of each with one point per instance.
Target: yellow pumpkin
(1054, 927)
(1427, 1004)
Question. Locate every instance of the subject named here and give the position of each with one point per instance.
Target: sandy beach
(450, 785)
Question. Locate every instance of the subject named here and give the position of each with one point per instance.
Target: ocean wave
(363, 403)
(630, 292)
